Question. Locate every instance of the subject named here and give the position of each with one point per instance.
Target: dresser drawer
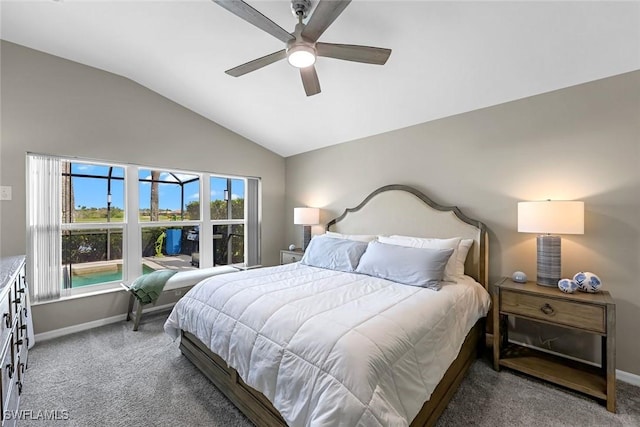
(19, 289)
(7, 373)
(22, 326)
(19, 343)
(557, 311)
(6, 317)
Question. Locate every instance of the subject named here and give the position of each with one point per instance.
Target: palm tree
(154, 214)
(68, 199)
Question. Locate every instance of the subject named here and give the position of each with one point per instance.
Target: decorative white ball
(587, 282)
(519, 277)
(292, 247)
(567, 285)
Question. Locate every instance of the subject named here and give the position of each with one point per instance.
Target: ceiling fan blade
(310, 80)
(257, 63)
(326, 12)
(350, 52)
(252, 16)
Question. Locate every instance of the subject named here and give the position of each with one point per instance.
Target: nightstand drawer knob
(547, 309)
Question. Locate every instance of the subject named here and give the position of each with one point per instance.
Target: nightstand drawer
(577, 315)
(288, 257)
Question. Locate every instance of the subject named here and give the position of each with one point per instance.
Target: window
(93, 219)
(227, 219)
(104, 211)
(169, 205)
(168, 196)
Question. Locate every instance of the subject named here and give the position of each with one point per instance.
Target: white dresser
(16, 335)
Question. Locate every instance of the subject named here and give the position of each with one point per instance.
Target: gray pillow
(334, 254)
(410, 266)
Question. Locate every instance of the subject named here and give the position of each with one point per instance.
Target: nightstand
(591, 313)
(287, 257)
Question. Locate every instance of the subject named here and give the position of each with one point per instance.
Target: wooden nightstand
(287, 257)
(591, 313)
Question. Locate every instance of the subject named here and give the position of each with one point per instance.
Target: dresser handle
(7, 320)
(547, 309)
(9, 369)
(19, 383)
(26, 313)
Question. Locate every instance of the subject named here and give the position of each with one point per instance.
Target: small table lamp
(546, 217)
(306, 217)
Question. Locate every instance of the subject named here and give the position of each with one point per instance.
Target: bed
(365, 352)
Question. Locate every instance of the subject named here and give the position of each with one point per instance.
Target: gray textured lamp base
(549, 265)
(306, 236)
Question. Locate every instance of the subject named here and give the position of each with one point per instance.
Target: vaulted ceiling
(448, 58)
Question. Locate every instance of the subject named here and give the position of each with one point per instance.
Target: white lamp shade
(306, 216)
(551, 217)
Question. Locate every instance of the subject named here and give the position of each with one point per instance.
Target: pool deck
(171, 262)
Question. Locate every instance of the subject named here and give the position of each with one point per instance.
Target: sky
(91, 192)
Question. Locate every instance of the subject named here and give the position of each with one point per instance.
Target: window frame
(132, 226)
(79, 226)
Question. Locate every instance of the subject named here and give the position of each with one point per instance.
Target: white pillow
(463, 250)
(334, 254)
(357, 237)
(402, 264)
(450, 271)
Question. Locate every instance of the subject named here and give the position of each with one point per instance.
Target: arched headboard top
(403, 210)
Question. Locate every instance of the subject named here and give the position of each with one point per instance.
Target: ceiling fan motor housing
(300, 8)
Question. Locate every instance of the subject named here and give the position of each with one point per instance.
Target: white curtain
(44, 239)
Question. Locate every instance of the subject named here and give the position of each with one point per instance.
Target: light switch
(5, 192)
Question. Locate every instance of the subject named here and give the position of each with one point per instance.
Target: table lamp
(306, 217)
(546, 218)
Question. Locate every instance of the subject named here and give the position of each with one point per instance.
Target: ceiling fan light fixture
(301, 56)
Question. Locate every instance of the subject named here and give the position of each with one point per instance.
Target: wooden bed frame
(393, 209)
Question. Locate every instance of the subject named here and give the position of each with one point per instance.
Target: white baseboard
(57, 333)
(628, 377)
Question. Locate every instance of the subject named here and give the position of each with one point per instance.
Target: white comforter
(330, 348)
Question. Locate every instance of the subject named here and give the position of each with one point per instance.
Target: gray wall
(54, 106)
(579, 143)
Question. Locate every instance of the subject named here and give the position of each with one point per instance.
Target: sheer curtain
(44, 239)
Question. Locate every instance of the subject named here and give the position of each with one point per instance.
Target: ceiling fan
(302, 46)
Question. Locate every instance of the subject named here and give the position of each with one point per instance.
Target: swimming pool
(78, 280)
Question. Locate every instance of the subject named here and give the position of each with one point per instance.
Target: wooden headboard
(400, 209)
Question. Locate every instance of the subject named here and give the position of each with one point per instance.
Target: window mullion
(155, 224)
(92, 225)
(132, 242)
(206, 228)
(227, 221)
